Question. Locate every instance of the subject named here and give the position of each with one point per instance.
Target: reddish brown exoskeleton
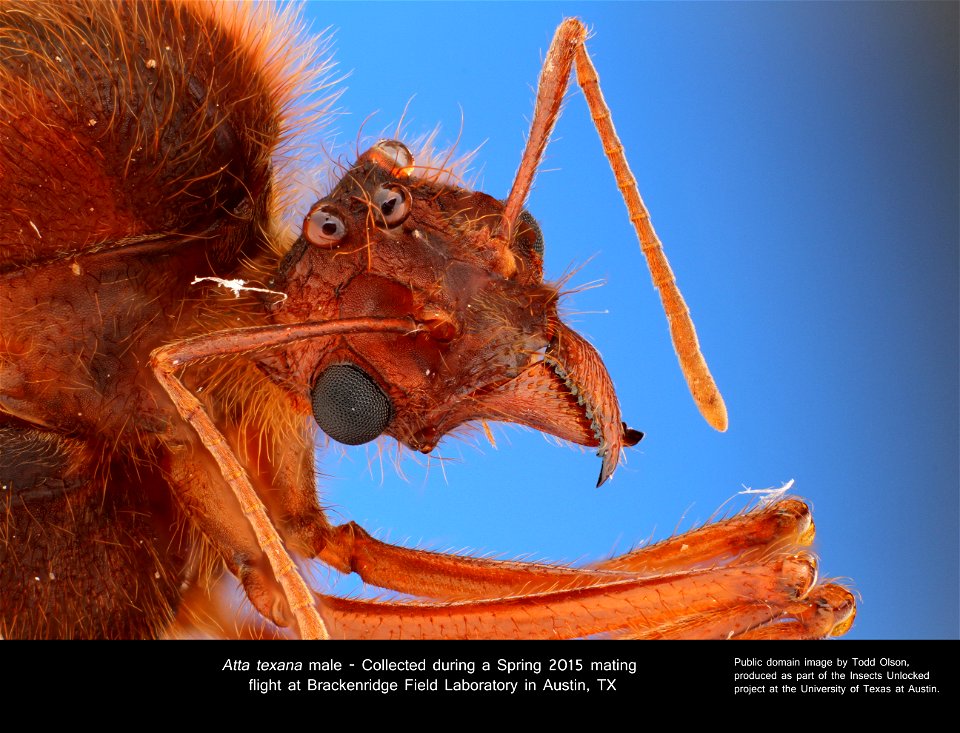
(154, 429)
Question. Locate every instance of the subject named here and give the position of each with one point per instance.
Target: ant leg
(783, 527)
(295, 590)
(207, 500)
(739, 576)
(284, 479)
(569, 48)
(717, 557)
(779, 529)
(350, 549)
(828, 610)
(167, 360)
(280, 462)
(641, 606)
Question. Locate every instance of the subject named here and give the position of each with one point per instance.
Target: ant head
(486, 341)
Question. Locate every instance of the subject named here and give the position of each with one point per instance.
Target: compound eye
(528, 235)
(394, 154)
(323, 228)
(393, 201)
(349, 406)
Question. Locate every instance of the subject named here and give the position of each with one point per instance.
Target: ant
(155, 428)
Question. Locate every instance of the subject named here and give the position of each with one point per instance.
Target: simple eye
(323, 228)
(349, 406)
(393, 202)
(395, 153)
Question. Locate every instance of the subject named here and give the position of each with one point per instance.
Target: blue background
(800, 163)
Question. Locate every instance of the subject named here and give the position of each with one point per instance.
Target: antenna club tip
(716, 416)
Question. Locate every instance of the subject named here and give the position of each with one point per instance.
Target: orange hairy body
(154, 429)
